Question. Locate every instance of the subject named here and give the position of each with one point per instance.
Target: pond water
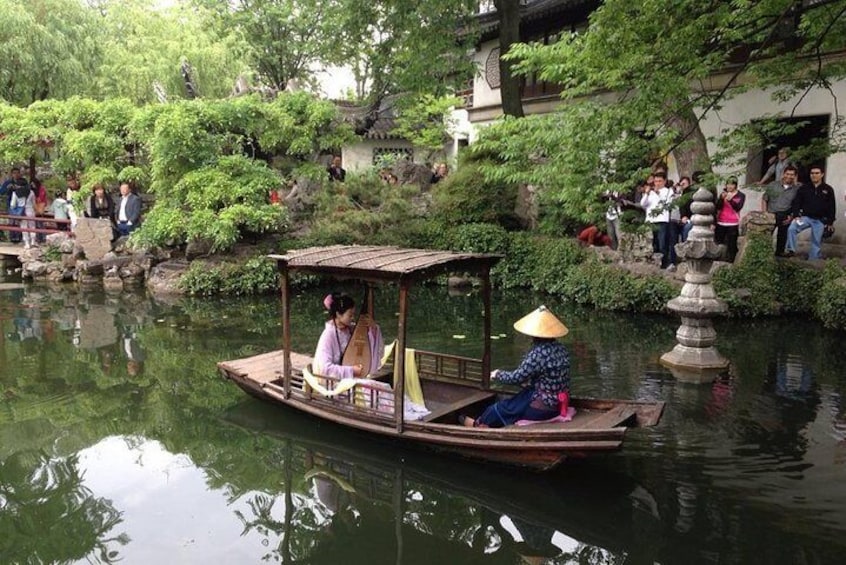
(120, 442)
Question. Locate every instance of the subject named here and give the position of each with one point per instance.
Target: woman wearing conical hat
(544, 373)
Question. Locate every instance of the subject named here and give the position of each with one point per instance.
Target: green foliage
(649, 60)
(797, 286)
(830, 307)
(538, 262)
(479, 238)
(190, 154)
(364, 209)
(607, 287)
(285, 37)
(256, 275)
(132, 49)
(751, 288)
(425, 120)
(148, 46)
(48, 48)
(94, 175)
(217, 202)
(397, 46)
(51, 253)
(467, 196)
(132, 174)
(762, 286)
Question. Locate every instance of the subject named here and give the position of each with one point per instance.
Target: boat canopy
(373, 264)
(383, 263)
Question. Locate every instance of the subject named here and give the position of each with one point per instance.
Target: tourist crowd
(29, 200)
(666, 206)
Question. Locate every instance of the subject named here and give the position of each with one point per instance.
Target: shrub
(798, 288)
(751, 288)
(466, 197)
(479, 238)
(606, 287)
(257, 275)
(363, 210)
(218, 202)
(830, 306)
(537, 262)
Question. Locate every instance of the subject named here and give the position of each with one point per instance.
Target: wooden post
(286, 330)
(486, 352)
(399, 358)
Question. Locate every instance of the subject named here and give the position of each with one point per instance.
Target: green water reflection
(119, 442)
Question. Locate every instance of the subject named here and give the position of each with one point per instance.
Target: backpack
(21, 189)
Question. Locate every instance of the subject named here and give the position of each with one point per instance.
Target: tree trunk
(508, 12)
(691, 149)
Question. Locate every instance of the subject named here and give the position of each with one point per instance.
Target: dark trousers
(660, 239)
(781, 231)
(16, 236)
(125, 228)
(727, 235)
(673, 231)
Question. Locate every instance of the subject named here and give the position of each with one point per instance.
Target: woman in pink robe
(336, 336)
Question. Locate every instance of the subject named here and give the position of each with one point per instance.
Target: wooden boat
(450, 384)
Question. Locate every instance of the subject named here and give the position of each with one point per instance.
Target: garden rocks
(198, 248)
(164, 277)
(636, 248)
(412, 173)
(94, 236)
(62, 259)
(757, 222)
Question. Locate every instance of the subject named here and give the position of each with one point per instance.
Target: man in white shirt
(656, 202)
(128, 211)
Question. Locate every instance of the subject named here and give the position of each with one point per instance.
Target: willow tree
(48, 48)
(155, 53)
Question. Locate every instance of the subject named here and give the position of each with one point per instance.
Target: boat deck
(442, 399)
(266, 367)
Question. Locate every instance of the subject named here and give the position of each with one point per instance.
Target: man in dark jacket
(336, 172)
(20, 186)
(128, 211)
(813, 207)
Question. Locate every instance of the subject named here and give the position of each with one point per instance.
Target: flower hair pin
(327, 302)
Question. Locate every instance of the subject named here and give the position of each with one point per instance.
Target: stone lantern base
(697, 365)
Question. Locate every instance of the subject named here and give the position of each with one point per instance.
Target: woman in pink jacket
(729, 205)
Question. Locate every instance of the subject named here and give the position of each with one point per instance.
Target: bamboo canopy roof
(382, 263)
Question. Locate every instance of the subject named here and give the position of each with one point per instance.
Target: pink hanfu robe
(332, 344)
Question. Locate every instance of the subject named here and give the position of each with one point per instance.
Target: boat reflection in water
(350, 500)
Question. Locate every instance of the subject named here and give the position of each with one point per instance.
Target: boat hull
(540, 447)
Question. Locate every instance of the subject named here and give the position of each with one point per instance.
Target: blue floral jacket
(546, 368)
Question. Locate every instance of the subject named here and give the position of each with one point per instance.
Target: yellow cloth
(412, 378)
(342, 386)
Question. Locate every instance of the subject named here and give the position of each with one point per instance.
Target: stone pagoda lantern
(695, 359)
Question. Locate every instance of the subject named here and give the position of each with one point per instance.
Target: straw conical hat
(541, 323)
